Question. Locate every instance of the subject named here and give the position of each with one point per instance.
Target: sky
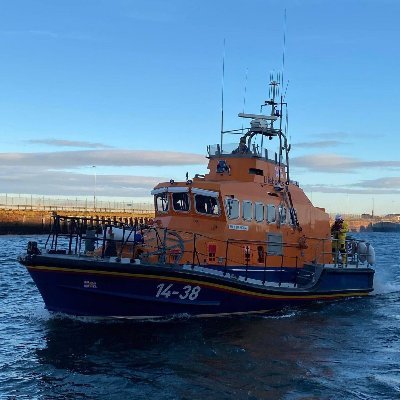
(114, 96)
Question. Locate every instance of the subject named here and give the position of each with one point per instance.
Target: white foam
(383, 282)
(289, 314)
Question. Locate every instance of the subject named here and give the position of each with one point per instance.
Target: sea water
(348, 349)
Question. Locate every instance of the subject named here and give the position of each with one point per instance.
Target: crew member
(242, 146)
(338, 231)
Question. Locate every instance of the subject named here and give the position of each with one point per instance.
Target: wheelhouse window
(247, 210)
(161, 202)
(282, 214)
(232, 208)
(271, 213)
(180, 201)
(259, 212)
(292, 216)
(206, 204)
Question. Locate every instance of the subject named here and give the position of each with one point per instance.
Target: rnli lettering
(238, 227)
(90, 284)
(272, 181)
(277, 170)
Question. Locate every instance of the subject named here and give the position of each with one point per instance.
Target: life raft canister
(362, 251)
(366, 252)
(370, 254)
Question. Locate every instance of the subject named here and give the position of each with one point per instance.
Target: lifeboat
(243, 238)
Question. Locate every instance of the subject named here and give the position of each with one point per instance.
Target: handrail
(76, 227)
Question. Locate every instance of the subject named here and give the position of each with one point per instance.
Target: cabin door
(274, 244)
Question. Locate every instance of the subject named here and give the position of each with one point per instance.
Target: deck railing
(87, 236)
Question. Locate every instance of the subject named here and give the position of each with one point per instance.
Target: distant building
(366, 216)
(393, 217)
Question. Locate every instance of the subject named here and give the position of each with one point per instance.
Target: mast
(222, 98)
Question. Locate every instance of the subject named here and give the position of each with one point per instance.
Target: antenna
(270, 92)
(283, 94)
(222, 96)
(283, 70)
(284, 44)
(287, 123)
(287, 84)
(245, 92)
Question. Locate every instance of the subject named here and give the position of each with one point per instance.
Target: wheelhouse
(181, 200)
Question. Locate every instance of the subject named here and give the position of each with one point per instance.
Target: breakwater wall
(24, 222)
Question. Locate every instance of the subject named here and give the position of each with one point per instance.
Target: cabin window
(247, 210)
(271, 213)
(180, 201)
(206, 204)
(282, 214)
(259, 212)
(256, 171)
(232, 208)
(161, 202)
(292, 216)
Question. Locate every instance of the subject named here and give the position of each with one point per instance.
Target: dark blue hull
(80, 286)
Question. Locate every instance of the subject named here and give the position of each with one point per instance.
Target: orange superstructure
(263, 208)
(245, 210)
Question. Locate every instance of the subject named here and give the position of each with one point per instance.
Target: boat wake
(384, 283)
(285, 315)
(115, 319)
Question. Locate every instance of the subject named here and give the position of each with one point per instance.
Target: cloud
(349, 189)
(38, 181)
(53, 172)
(115, 158)
(319, 144)
(333, 163)
(384, 185)
(69, 143)
(392, 183)
(45, 173)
